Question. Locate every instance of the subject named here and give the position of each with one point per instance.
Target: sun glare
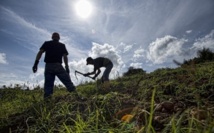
(83, 9)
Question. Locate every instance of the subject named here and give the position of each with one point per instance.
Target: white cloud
(107, 51)
(7, 76)
(164, 48)
(127, 48)
(9, 79)
(136, 65)
(205, 42)
(3, 58)
(139, 53)
(189, 31)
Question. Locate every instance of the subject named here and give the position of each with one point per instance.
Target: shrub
(132, 71)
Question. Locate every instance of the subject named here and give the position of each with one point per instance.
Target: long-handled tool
(81, 74)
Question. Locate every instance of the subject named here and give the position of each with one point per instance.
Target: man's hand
(67, 69)
(35, 66)
(34, 69)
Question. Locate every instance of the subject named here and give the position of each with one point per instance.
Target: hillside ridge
(139, 102)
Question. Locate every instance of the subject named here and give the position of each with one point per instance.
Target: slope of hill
(166, 100)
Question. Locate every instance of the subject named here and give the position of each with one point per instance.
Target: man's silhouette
(98, 63)
(54, 51)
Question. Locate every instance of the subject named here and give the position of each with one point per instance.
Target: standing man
(98, 63)
(54, 52)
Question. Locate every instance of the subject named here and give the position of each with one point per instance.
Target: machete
(81, 74)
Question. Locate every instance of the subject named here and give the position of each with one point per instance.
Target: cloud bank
(163, 49)
(205, 42)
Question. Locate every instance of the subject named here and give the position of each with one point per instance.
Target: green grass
(188, 90)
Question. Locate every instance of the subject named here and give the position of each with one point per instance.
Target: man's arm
(38, 56)
(91, 73)
(96, 74)
(65, 58)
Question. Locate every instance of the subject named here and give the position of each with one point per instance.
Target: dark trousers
(107, 71)
(51, 71)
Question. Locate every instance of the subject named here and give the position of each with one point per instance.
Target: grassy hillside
(167, 100)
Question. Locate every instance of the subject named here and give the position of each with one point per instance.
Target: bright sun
(83, 9)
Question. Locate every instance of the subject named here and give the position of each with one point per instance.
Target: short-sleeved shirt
(54, 51)
(101, 62)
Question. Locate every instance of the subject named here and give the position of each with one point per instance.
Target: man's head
(55, 36)
(89, 60)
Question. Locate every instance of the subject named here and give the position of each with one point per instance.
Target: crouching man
(98, 63)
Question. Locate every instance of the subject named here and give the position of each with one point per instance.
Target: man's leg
(106, 73)
(49, 82)
(105, 77)
(65, 79)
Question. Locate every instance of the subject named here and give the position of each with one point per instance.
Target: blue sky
(145, 34)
